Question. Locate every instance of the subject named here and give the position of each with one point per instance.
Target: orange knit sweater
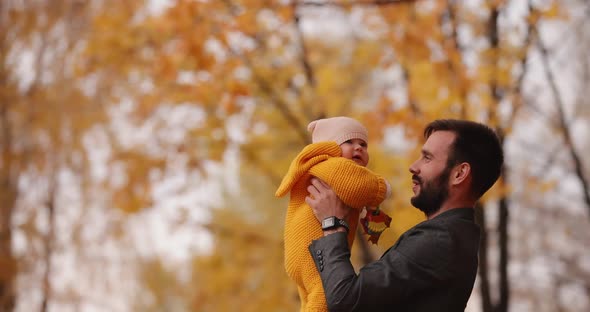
(356, 185)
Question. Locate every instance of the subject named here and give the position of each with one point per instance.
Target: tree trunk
(504, 285)
(483, 272)
(49, 247)
(8, 266)
(496, 92)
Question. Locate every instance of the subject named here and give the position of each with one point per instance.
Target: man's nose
(414, 169)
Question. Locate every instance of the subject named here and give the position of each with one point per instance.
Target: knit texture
(337, 129)
(355, 185)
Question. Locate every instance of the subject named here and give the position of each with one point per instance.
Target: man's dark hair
(476, 144)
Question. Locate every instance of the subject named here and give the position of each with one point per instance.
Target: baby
(337, 155)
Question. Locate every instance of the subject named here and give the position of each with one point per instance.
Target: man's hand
(324, 202)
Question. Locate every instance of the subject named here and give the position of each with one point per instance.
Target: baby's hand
(388, 193)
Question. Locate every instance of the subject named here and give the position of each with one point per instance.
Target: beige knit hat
(337, 129)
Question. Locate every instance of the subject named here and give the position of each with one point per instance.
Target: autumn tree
(47, 111)
(260, 70)
(168, 93)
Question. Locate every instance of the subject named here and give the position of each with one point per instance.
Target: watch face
(328, 222)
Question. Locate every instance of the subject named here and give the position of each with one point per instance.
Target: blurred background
(142, 142)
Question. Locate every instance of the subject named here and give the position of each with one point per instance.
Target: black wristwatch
(332, 222)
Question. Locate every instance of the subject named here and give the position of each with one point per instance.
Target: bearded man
(432, 266)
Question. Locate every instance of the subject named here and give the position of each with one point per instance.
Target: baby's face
(355, 149)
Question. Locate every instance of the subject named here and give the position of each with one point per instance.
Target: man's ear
(460, 173)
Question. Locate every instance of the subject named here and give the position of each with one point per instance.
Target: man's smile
(416, 183)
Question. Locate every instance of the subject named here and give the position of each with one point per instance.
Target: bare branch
(414, 107)
(563, 123)
(456, 67)
(307, 68)
(263, 166)
(516, 91)
(352, 3)
(309, 74)
(266, 87)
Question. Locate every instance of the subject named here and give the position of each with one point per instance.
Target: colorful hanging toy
(374, 223)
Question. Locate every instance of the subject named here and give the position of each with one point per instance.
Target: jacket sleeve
(417, 261)
(356, 185)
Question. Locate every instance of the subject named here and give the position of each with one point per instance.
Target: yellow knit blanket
(355, 185)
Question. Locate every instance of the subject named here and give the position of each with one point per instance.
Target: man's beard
(432, 193)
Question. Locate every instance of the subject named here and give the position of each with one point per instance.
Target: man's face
(430, 175)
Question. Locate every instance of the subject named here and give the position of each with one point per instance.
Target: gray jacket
(432, 267)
